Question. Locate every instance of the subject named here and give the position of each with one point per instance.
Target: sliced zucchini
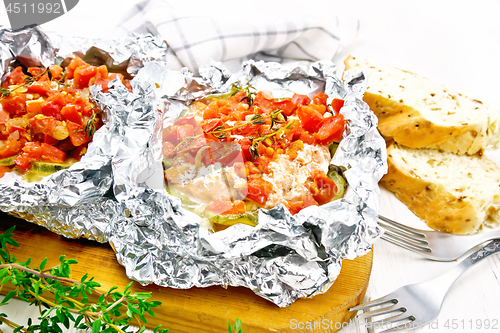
(167, 162)
(8, 161)
(35, 176)
(45, 167)
(232, 219)
(335, 174)
(333, 148)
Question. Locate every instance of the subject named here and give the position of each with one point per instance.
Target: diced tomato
(74, 64)
(76, 134)
(34, 71)
(14, 128)
(320, 99)
(265, 101)
(211, 138)
(101, 82)
(292, 151)
(300, 99)
(56, 72)
(225, 153)
(83, 74)
(52, 109)
(326, 187)
(103, 71)
(286, 138)
(70, 113)
(3, 170)
(245, 144)
(66, 145)
(296, 206)
(212, 111)
(15, 105)
(52, 153)
(261, 163)
(219, 206)
(83, 106)
(15, 77)
(259, 190)
(310, 117)
(39, 87)
(43, 125)
(307, 137)
(246, 130)
(186, 121)
(10, 148)
(224, 206)
(184, 131)
(337, 104)
(50, 140)
(252, 169)
(4, 116)
(330, 130)
(78, 152)
(286, 105)
(209, 124)
(23, 162)
(170, 135)
(167, 148)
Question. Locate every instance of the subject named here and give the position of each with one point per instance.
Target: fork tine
(382, 311)
(403, 326)
(375, 302)
(404, 246)
(403, 234)
(402, 239)
(400, 226)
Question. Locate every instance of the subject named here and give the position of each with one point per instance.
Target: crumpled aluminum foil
(116, 193)
(77, 202)
(284, 257)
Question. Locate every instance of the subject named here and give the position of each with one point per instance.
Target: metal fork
(433, 245)
(415, 305)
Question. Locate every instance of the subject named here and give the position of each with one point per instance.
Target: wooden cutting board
(199, 309)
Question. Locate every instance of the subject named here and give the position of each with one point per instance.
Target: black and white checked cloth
(233, 31)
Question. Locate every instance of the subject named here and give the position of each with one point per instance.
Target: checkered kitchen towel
(198, 31)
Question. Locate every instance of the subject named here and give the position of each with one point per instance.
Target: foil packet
(76, 202)
(284, 257)
(117, 194)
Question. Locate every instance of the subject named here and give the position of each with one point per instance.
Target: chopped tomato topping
(310, 117)
(320, 99)
(10, 148)
(74, 64)
(326, 188)
(15, 77)
(83, 74)
(337, 104)
(300, 99)
(330, 130)
(259, 190)
(70, 113)
(76, 134)
(15, 105)
(224, 206)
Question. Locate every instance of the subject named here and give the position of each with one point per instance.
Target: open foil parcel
(179, 202)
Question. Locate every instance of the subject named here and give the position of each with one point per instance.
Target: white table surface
(456, 43)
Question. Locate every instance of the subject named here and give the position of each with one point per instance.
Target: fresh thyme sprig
(63, 301)
(90, 128)
(28, 80)
(255, 142)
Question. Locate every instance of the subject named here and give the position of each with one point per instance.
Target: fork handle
(451, 276)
